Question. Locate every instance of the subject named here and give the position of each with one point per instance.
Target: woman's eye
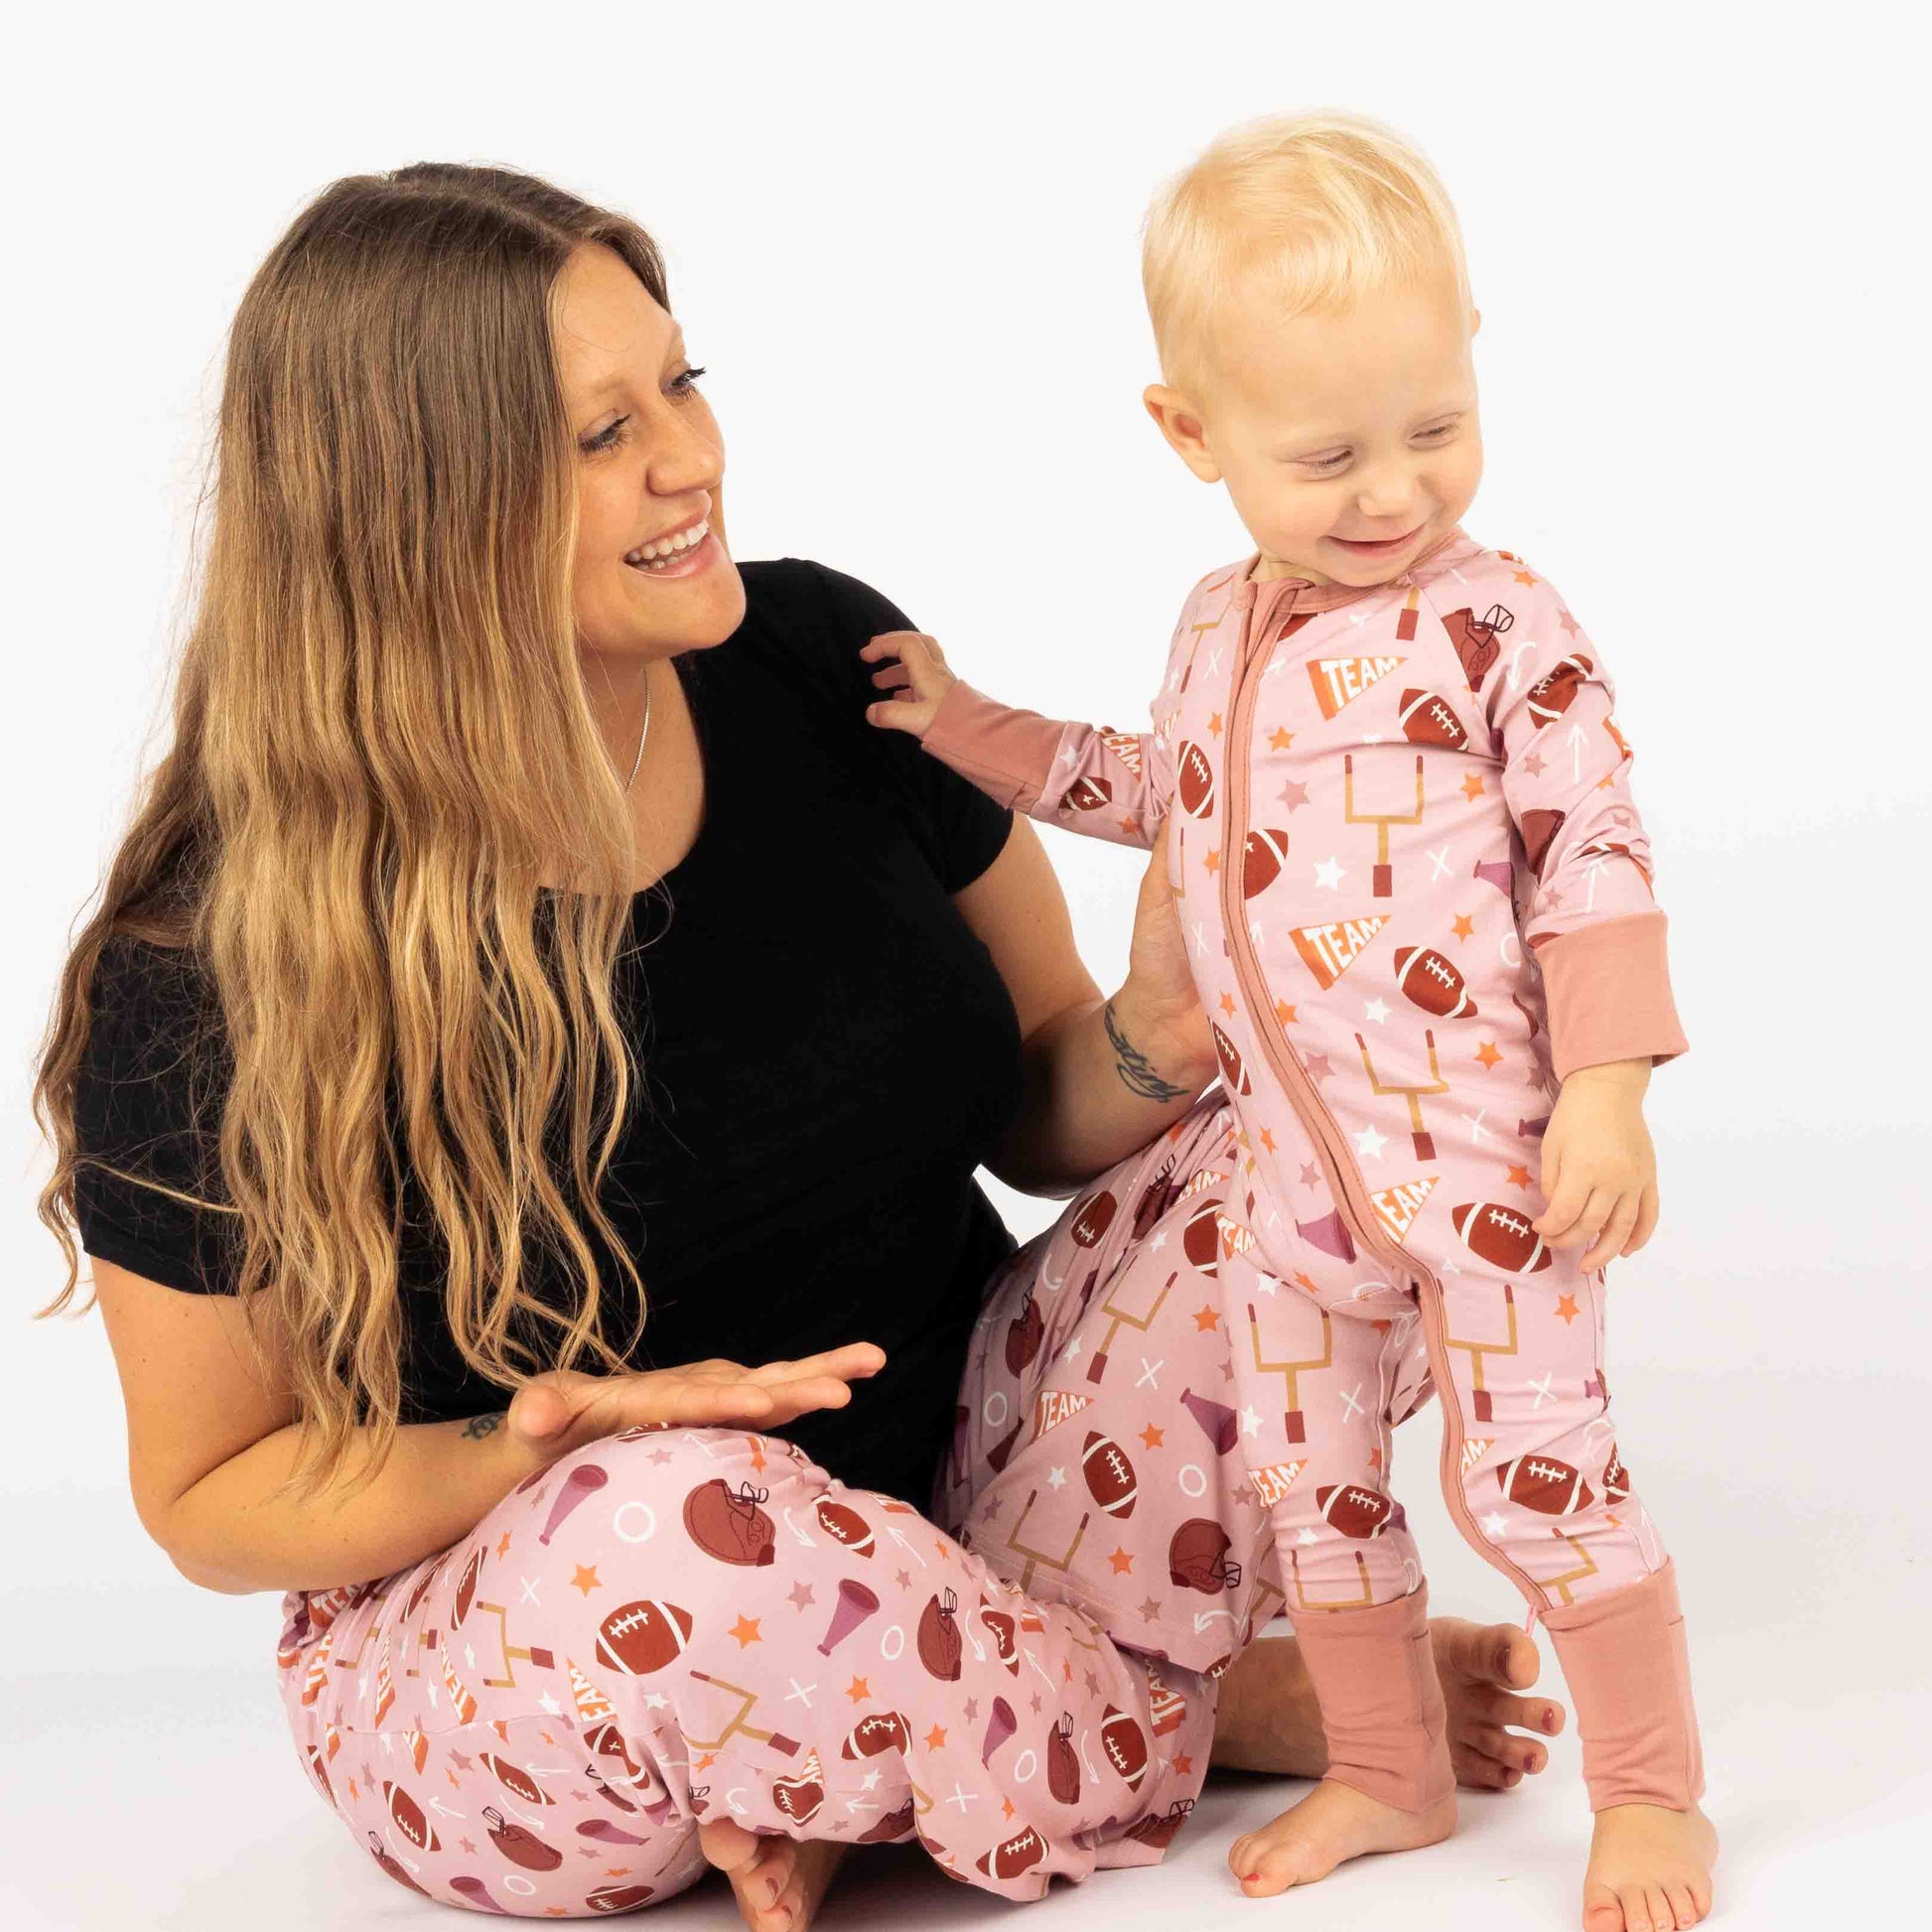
(604, 438)
(686, 384)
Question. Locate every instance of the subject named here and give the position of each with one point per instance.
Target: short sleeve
(962, 830)
(147, 1094)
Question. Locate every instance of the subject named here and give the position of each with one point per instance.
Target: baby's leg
(1317, 1383)
(1535, 1477)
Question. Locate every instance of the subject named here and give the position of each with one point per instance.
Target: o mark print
(516, 1882)
(650, 1515)
(734, 1798)
(1023, 1770)
(1198, 1487)
(891, 1646)
(986, 1408)
(1509, 949)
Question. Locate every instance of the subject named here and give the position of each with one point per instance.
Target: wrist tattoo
(1134, 1067)
(478, 1426)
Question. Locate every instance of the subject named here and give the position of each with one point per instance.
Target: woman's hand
(1600, 1171)
(563, 1410)
(914, 673)
(1159, 1010)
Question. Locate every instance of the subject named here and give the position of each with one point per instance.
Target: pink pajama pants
(672, 1624)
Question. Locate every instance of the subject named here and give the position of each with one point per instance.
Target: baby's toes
(1480, 1773)
(1521, 1754)
(1603, 1909)
(1683, 1904)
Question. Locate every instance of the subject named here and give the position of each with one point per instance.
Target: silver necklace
(642, 734)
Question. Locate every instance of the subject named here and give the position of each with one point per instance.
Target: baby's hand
(912, 668)
(1600, 1171)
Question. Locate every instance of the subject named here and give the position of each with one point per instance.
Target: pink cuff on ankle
(1382, 1708)
(1629, 1668)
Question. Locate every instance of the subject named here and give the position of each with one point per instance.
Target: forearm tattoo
(478, 1426)
(1134, 1067)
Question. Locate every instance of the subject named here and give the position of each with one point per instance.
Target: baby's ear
(1179, 422)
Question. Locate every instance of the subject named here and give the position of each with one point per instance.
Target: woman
(429, 1014)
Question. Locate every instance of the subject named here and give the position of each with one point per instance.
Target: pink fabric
(1392, 804)
(1382, 1709)
(994, 745)
(1625, 1657)
(1608, 992)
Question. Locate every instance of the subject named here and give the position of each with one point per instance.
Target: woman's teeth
(653, 556)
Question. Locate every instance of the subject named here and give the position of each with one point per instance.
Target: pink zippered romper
(1415, 894)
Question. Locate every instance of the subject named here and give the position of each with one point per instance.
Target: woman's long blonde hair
(383, 745)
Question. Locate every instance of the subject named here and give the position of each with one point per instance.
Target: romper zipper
(1344, 1182)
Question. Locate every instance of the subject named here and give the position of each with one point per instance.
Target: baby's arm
(1109, 784)
(1594, 924)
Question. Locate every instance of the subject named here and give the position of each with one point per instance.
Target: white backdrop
(903, 241)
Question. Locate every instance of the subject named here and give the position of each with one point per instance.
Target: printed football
(939, 1643)
(1088, 794)
(1539, 831)
(1194, 781)
(638, 1638)
(799, 1798)
(1090, 1225)
(1111, 1480)
(1616, 1479)
(1433, 982)
(1263, 854)
(842, 1524)
(1502, 1237)
(466, 1588)
(1013, 1856)
(617, 1899)
(1355, 1511)
(1125, 1744)
(875, 1731)
(1554, 693)
(410, 1819)
(1427, 718)
(1201, 1239)
(1541, 1483)
(515, 1780)
(728, 1523)
(1232, 1071)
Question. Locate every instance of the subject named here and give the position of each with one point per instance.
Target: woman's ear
(1179, 422)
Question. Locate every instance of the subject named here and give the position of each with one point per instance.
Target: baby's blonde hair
(1308, 213)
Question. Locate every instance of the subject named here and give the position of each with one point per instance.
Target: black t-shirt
(828, 1053)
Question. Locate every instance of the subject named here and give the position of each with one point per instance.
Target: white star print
(1369, 1144)
(1250, 1422)
(1307, 1536)
(1377, 1010)
(548, 1704)
(1329, 874)
(1493, 1525)
(1055, 1479)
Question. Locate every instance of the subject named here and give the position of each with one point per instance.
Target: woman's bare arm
(1102, 1076)
(208, 1440)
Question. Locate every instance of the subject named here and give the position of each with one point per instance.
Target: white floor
(148, 1785)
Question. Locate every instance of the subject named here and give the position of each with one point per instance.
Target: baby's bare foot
(1649, 1869)
(1332, 1823)
(779, 1881)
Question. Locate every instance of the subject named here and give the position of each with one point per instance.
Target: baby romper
(1415, 894)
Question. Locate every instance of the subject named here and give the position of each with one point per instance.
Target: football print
(1263, 854)
(1232, 1071)
(1090, 1225)
(939, 1636)
(1433, 982)
(1201, 1239)
(410, 1821)
(1428, 720)
(1125, 1744)
(1111, 1480)
(515, 1780)
(875, 1731)
(1502, 1237)
(1194, 781)
(1539, 831)
(842, 1524)
(1616, 1479)
(641, 1637)
(1354, 1510)
(1088, 794)
(1554, 693)
(799, 1798)
(466, 1588)
(1541, 1483)
(1013, 1856)
(617, 1899)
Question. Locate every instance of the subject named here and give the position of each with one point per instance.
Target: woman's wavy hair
(382, 743)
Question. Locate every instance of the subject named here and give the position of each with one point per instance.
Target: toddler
(1417, 899)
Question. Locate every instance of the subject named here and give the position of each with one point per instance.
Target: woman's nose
(685, 459)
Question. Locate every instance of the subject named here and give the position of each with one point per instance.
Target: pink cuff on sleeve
(1608, 986)
(1008, 754)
